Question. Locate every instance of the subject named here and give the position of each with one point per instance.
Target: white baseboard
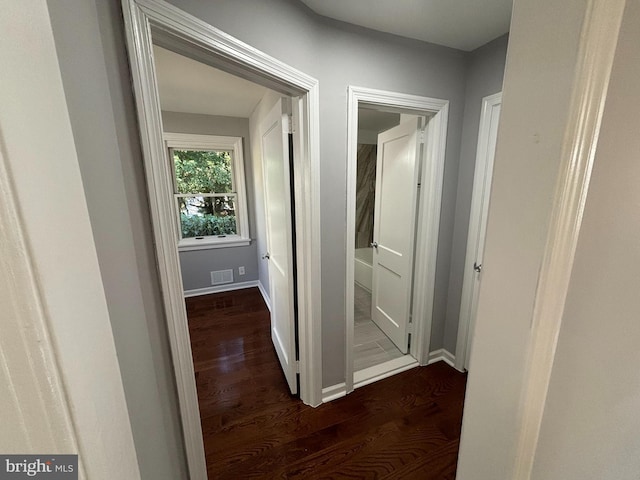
(221, 288)
(442, 355)
(334, 392)
(265, 295)
(384, 370)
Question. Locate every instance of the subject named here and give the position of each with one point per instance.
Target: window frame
(188, 141)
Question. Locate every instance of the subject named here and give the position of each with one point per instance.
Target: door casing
(177, 30)
(428, 219)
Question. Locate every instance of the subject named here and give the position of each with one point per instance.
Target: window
(209, 190)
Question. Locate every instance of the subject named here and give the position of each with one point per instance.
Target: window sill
(190, 244)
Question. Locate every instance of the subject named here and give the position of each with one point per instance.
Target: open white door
(277, 187)
(487, 137)
(394, 229)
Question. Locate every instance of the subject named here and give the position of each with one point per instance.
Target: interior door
(276, 157)
(394, 229)
(487, 138)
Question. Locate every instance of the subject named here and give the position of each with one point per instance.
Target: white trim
(591, 80)
(442, 355)
(230, 287)
(204, 142)
(432, 178)
(33, 389)
(485, 153)
(141, 16)
(208, 244)
(334, 392)
(306, 179)
(265, 295)
(383, 370)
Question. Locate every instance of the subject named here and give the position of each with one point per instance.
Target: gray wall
(89, 42)
(97, 83)
(339, 55)
(591, 427)
(196, 265)
(484, 77)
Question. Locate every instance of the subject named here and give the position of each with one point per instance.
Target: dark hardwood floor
(404, 427)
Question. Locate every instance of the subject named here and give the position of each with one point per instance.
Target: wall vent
(221, 276)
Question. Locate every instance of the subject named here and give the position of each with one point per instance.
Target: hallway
(407, 426)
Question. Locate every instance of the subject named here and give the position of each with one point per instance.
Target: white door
(487, 137)
(276, 166)
(394, 229)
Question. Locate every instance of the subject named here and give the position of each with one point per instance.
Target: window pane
(203, 216)
(203, 171)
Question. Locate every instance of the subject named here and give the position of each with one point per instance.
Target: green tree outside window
(205, 172)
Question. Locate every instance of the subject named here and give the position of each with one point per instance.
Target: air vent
(221, 276)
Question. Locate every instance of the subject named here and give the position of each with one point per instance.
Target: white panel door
(277, 188)
(394, 230)
(487, 138)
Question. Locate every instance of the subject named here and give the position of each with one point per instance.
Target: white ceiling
(461, 24)
(375, 120)
(186, 86)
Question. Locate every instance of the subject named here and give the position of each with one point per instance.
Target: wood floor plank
(403, 427)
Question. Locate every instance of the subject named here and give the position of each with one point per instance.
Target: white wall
(197, 265)
(90, 46)
(591, 424)
(56, 261)
(543, 48)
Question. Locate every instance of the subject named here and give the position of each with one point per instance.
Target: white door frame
(141, 18)
(428, 221)
(477, 226)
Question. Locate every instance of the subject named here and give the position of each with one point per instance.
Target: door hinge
(289, 124)
(410, 326)
(297, 366)
(423, 136)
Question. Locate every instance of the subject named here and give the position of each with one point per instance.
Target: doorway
(395, 172)
(230, 156)
(485, 153)
(388, 169)
(150, 24)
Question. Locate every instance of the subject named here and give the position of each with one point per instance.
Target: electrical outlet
(241, 270)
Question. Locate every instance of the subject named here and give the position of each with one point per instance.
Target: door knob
(476, 267)
(374, 244)
(266, 256)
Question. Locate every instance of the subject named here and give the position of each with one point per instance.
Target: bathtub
(363, 272)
